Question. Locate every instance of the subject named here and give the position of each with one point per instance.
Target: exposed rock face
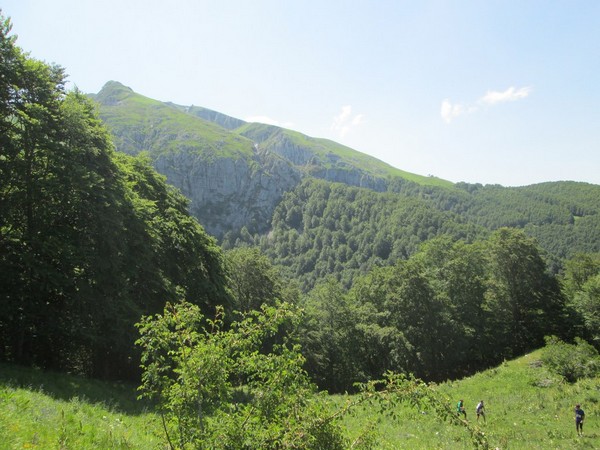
(227, 194)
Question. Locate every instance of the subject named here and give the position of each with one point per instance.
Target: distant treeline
(322, 228)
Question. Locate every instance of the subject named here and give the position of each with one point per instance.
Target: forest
(104, 273)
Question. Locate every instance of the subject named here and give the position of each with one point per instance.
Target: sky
(482, 91)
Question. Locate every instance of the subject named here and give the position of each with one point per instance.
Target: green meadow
(46, 410)
(526, 408)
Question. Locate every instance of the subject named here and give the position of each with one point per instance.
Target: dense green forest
(90, 239)
(322, 228)
(98, 252)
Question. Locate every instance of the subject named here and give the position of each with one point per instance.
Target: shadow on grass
(114, 395)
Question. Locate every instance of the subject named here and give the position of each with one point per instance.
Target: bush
(571, 361)
(217, 389)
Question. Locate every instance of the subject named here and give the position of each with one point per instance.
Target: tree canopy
(89, 239)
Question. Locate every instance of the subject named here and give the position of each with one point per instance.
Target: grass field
(42, 410)
(526, 408)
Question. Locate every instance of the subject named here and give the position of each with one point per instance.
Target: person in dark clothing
(460, 409)
(579, 416)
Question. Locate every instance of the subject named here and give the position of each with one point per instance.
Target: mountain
(318, 207)
(233, 172)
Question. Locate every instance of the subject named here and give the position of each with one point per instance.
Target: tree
(330, 338)
(571, 361)
(253, 280)
(382, 346)
(423, 318)
(458, 275)
(587, 303)
(33, 284)
(89, 240)
(525, 299)
(578, 270)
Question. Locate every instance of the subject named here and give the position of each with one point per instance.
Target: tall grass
(526, 408)
(44, 410)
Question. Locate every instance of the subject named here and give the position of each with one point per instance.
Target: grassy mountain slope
(48, 410)
(234, 173)
(210, 115)
(229, 183)
(527, 408)
(139, 123)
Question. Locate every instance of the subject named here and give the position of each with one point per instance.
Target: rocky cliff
(227, 194)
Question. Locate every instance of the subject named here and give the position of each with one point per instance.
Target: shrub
(217, 389)
(571, 361)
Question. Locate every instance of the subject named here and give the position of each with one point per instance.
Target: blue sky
(492, 92)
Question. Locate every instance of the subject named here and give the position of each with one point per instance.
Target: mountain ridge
(233, 172)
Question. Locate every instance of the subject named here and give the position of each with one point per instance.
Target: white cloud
(450, 111)
(345, 121)
(358, 120)
(509, 95)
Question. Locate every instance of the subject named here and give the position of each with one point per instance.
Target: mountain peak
(113, 92)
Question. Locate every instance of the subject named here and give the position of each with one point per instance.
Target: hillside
(104, 273)
(229, 181)
(526, 409)
(234, 173)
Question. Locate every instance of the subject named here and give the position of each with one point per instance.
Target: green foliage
(447, 311)
(89, 239)
(578, 270)
(321, 229)
(581, 285)
(331, 338)
(526, 301)
(254, 281)
(587, 303)
(215, 389)
(571, 361)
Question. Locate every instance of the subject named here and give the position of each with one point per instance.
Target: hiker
(460, 409)
(579, 416)
(480, 410)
